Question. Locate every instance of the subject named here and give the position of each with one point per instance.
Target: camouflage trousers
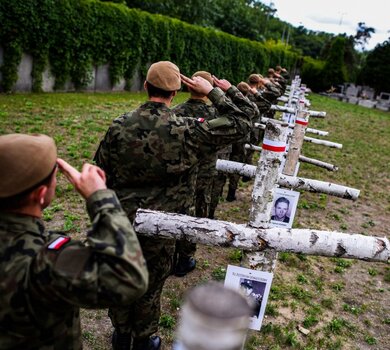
(255, 139)
(141, 318)
(239, 154)
(217, 190)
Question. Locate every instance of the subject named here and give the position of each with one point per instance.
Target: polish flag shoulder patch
(58, 243)
(201, 120)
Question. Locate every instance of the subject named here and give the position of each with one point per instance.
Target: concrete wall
(100, 78)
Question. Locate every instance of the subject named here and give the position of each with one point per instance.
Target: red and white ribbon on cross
(275, 146)
(301, 121)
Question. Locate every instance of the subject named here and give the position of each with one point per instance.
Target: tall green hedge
(74, 35)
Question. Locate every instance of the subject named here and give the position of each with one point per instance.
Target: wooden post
(213, 317)
(267, 172)
(296, 141)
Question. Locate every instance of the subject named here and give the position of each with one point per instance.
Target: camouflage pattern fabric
(150, 156)
(142, 317)
(261, 102)
(45, 277)
(271, 93)
(238, 154)
(196, 108)
(218, 183)
(256, 135)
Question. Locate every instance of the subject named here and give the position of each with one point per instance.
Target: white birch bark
(295, 143)
(283, 109)
(291, 125)
(319, 163)
(323, 142)
(266, 176)
(299, 183)
(317, 132)
(227, 234)
(317, 114)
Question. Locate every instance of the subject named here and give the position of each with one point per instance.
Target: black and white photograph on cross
(253, 284)
(284, 207)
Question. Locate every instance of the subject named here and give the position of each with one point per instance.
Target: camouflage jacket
(150, 154)
(261, 102)
(270, 92)
(196, 108)
(45, 277)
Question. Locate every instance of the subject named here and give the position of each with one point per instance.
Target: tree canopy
(376, 71)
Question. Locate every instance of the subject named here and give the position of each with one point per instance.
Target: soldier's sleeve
(107, 270)
(262, 103)
(273, 90)
(243, 102)
(107, 150)
(231, 125)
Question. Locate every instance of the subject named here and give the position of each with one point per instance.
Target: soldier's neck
(167, 101)
(35, 211)
(199, 97)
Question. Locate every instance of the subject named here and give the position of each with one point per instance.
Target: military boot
(120, 341)
(231, 196)
(184, 265)
(152, 343)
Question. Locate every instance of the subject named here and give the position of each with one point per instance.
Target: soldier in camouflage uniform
(270, 90)
(283, 73)
(45, 277)
(279, 81)
(150, 156)
(195, 107)
(239, 153)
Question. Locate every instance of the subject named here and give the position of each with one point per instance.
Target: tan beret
(164, 75)
(25, 160)
(204, 75)
(254, 79)
(243, 87)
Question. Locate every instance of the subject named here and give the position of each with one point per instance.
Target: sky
(337, 16)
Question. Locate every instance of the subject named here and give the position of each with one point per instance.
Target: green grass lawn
(345, 304)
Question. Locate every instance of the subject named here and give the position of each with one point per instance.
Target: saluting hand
(197, 84)
(90, 180)
(223, 84)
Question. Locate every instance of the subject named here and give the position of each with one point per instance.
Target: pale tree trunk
(323, 142)
(266, 176)
(290, 125)
(242, 236)
(298, 183)
(301, 158)
(296, 141)
(319, 163)
(317, 132)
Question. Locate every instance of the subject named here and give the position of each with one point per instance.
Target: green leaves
(73, 36)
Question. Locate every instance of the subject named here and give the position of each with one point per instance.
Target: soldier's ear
(145, 86)
(42, 191)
